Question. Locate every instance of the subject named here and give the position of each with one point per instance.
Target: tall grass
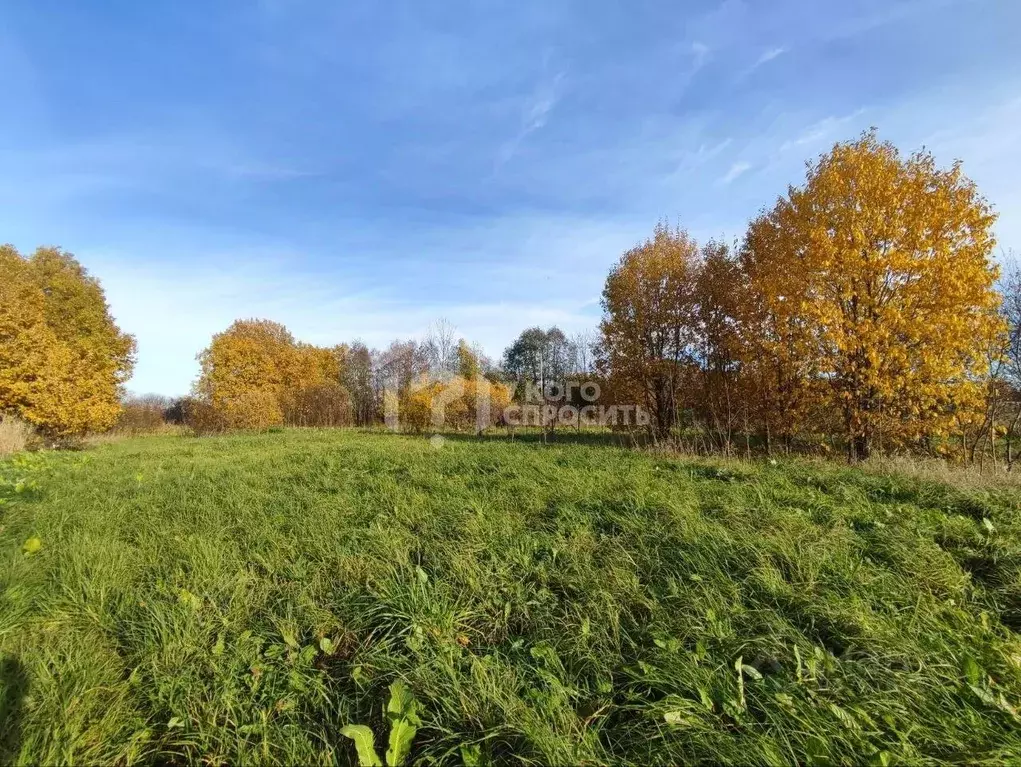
(243, 598)
(15, 434)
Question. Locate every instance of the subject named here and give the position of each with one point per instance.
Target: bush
(15, 435)
(462, 399)
(143, 415)
(251, 411)
(201, 417)
(177, 411)
(325, 405)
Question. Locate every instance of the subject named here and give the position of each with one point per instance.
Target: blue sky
(360, 169)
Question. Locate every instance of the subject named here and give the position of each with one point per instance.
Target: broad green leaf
(32, 545)
(402, 732)
(751, 671)
(972, 671)
(402, 703)
(401, 712)
(364, 744)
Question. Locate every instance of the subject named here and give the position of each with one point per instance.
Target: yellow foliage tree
(468, 365)
(454, 403)
(719, 294)
(25, 338)
(649, 322)
(255, 375)
(779, 370)
(873, 286)
(244, 373)
(63, 360)
(313, 394)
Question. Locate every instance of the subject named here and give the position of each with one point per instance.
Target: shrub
(323, 405)
(143, 414)
(461, 399)
(177, 411)
(201, 417)
(253, 410)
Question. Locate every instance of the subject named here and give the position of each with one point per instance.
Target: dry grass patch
(15, 434)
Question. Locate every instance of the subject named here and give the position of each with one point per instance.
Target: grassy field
(241, 599)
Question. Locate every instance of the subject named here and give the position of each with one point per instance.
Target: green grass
(241, 599)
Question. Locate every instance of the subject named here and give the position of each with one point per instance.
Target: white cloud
(821, 130)
(737, 169)
(769, 55)
(537, 109)
(700, 51)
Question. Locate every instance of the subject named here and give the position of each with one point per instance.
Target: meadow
(244, 598)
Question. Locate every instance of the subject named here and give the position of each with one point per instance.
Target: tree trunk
(862, 447)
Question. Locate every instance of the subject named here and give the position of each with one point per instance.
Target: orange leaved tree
(873, 286)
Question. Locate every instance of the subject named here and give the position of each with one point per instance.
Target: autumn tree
(255, 375)
(454, 403)
(648, 323)
(244, 372)
(874, 282)
(469, 363)
(453, 385)
(26, 341)
(63, 360)
(313, 394)
(779, 364)
(718, 299)
(358, 380)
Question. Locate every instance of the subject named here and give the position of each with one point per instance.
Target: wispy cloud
(700, 52)
(821, 130)
(736, 170)
(534, 116)
(769, 55)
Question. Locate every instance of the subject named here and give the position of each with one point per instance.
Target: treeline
(862, 311)
(256, 375)
(859, 312)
